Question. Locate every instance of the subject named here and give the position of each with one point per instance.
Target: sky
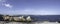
(30, 7)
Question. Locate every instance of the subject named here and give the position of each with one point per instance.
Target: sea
(38, 19)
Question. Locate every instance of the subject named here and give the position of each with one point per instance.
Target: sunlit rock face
(28, 18)
(16, 19)
(22, 18)
(19, 18)
(6, 17)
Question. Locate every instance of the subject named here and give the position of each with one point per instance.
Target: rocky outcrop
(11, 18)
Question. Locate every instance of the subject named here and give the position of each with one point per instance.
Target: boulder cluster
(15, 18)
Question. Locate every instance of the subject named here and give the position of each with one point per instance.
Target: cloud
(8, 5)
(3, 3)
(31, 12)
(2, 0)
(36, 12)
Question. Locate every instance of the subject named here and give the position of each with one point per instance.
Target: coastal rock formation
(14, 18)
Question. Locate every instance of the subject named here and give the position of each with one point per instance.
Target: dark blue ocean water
(51, 18)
